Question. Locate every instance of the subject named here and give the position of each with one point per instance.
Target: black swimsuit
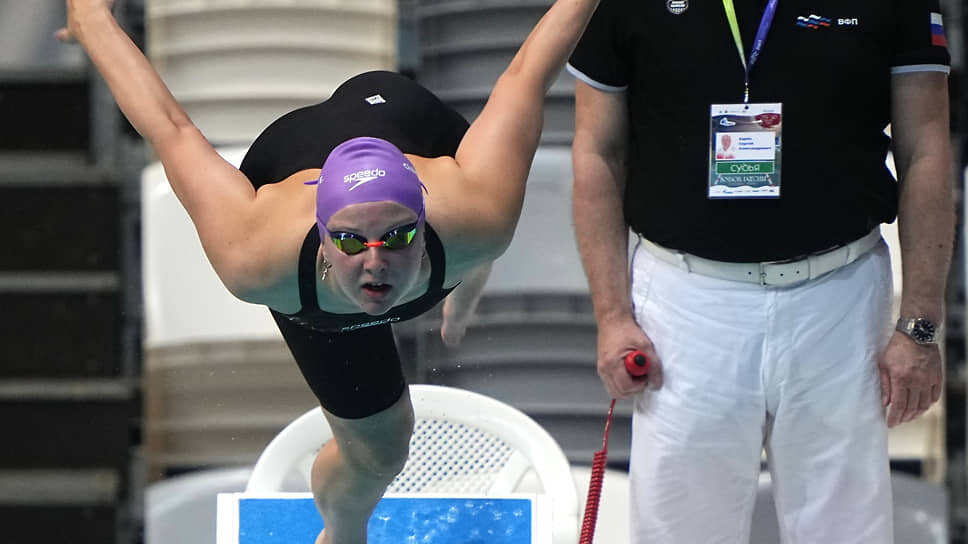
(350, 360)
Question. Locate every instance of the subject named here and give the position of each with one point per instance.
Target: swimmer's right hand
(77, 12)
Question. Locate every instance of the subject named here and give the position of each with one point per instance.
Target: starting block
(292, 518)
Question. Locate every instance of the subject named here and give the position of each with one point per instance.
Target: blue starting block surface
(292, 518)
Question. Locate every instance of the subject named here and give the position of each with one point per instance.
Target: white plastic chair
(182, 509)
(463, 443)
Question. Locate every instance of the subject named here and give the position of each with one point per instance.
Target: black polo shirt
(828, 61)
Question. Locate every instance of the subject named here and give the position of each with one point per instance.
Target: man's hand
(615, 340)
(911, 378)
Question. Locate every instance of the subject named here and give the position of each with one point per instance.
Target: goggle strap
(407, 236)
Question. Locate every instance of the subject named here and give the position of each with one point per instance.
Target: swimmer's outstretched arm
(496, 153)
(219, 198)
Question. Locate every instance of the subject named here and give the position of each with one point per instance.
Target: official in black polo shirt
(744, 146)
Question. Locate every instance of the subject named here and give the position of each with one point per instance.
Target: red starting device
(637, 364)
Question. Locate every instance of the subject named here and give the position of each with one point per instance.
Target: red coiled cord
(637, 364)
(595, 486)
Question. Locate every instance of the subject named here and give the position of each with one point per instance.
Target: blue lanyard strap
(765, 23)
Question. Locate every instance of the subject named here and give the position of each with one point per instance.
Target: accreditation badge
(744, 150)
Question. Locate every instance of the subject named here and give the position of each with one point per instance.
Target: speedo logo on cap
(363, 176)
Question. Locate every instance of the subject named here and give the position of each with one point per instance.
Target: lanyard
(765, 23)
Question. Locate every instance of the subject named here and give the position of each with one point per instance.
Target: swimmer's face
(376, 278)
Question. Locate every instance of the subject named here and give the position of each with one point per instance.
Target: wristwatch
(921, 330)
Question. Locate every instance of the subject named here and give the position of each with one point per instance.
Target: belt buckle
(762, 267)
(792, 266)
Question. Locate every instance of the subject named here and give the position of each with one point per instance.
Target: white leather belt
(769, 273)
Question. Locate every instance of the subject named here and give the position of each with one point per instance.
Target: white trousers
(789, 369)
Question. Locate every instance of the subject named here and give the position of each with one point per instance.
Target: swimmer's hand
(77, 12)
(460, 305)
(453, 328)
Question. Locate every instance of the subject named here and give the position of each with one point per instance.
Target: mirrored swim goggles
(351, 244)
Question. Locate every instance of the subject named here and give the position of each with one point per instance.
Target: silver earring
(326, 266)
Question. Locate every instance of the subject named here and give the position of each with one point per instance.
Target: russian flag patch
(937, 30)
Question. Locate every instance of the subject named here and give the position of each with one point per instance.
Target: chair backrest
(463, 442)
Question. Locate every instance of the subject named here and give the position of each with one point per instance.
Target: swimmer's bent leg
(353, 470)
(358, 379)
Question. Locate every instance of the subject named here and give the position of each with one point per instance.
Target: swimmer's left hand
(460, 305)
(454, 326)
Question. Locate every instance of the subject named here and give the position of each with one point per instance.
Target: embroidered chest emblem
(676, 7)
(814, 22)
(818, 22)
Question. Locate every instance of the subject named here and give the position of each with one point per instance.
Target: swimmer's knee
(380, 445)
(386, 457)
(385, 463)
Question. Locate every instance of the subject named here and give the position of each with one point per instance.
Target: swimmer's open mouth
(376, 287)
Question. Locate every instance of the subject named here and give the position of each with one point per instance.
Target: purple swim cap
(366, 170)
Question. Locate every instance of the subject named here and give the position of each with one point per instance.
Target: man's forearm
(602, 235)
(926, 222)
(926, 215)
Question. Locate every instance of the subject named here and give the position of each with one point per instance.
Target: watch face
(923, 331)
